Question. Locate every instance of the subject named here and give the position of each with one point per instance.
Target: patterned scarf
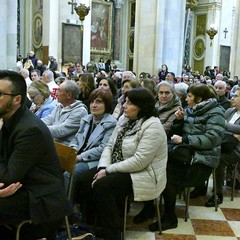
(117, 149)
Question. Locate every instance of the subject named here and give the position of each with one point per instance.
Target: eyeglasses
(33, 97)
(8, 94)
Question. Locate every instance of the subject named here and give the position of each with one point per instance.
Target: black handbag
(229, 142)
(181, 153)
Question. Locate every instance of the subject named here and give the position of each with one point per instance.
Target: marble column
(8, 34)
(86, 34)
(159, 35)
(51, 28)
(235, 55)
(117, 24)
(27, 22)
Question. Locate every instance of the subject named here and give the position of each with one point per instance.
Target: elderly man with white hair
(48, 78)
(128, 74)
(25, 73)
(221, 88)
(117, 78)
(32, 57)
(219, 76)
(40, 67)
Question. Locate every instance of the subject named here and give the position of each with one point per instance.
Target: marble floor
(203, 223)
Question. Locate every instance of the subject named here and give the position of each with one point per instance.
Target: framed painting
(37, 30)
(71, 43)
(101, 27)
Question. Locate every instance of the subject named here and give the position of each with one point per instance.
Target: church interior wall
(158, 35)
(235, 60)
(3, 33)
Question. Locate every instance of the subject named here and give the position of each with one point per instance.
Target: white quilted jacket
(145, 158)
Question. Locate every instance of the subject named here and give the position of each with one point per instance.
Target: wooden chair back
(67, 157)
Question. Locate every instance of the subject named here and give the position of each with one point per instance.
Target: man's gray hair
(222, 82)
(71, 86)
(166, 83)
(49, 74)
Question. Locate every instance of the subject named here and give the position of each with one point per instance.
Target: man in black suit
(28, 156)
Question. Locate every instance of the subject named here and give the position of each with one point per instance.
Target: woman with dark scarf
(168, 103)
(132, 163)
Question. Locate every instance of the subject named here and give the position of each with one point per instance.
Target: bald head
(24, 73)
(220, 87)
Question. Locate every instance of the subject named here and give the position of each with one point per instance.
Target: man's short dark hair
(37, 71)
(19, 86)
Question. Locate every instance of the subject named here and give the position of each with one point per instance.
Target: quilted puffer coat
(203, 127)
(144, 151)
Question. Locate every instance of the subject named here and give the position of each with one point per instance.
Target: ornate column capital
(118, 3)
(192, 4)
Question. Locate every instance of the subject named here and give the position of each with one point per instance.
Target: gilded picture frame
(199, 47)
(37, 30)
(101, 27)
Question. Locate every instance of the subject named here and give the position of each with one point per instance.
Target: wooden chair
(157, 204)
(67, 157)
(187, 196)
(19, 228)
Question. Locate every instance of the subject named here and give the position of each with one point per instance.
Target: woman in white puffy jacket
(133, 162)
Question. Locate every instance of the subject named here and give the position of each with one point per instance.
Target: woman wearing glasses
(42, 102)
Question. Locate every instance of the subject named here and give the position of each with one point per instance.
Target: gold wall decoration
(131, 32)
(201, 24)
(199, 44)
(199, 47)
(37, 30)
(191, 4)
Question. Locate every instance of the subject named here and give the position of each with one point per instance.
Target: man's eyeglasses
(8, 94)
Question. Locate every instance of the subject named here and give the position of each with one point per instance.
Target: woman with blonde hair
(42, 102)
(28, 65)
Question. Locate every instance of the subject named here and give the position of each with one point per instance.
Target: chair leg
(68, 228)
(187, 203)
(19, 228)
(125, 218)
(234, 181)
(157, 203)
(215, 190)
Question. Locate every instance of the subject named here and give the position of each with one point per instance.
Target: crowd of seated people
(83, 112)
